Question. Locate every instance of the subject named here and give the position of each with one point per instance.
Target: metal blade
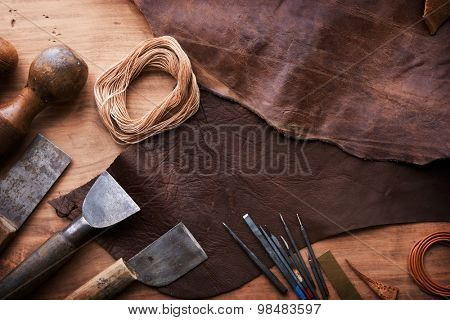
(107, 203)
(27, 182)
(168, 258)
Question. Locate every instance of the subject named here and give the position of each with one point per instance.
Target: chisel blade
(27, 182)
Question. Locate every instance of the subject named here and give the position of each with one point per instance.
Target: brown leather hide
(436, 13)
(225, 161)
(364, 75)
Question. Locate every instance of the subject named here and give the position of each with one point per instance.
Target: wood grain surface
(102, 32)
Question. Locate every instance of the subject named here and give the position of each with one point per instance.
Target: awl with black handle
(314, 263)
(26, 183)
(105, 205)
(165, 260)
(261, 266)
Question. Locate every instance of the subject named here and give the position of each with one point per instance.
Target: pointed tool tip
(227, 228)
(299, 221)
(285, 242)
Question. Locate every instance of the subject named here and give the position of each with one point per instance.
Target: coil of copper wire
(416, 264)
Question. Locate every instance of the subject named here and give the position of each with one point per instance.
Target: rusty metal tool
(105, 205)
(26, 183)
(170, 257)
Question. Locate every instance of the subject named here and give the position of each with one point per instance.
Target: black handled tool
(294, 257)
(266, 245)
(296, 284)
(315, 264)
(303, 269)
(273, 279)
(288, 263)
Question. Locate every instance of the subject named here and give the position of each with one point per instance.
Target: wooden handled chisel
(105, 205)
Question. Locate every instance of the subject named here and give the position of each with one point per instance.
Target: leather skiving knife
(105, 205)
(165, 260)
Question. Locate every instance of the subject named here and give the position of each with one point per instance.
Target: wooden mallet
(57, 75)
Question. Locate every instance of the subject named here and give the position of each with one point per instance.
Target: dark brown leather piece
(225, 161)
(364, 75)
(436, 13)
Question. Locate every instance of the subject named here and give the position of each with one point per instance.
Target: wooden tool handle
(36, 268)
(15, 118)
(7, 231)
(57, 75)
(106, 284)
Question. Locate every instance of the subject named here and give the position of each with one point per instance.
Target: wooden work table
(102, 32)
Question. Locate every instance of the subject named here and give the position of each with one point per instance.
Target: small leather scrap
(384, 291)
(338, 278)
(436, 13)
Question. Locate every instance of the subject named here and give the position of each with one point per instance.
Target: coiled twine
(165, 54)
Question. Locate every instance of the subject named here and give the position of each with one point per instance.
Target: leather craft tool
(105, 205)
(26, 183)
(384, 291)
(8, 57)
(314, 265)
(337, 277)
(56, 76)
(294, 259)
(269, 250)
(261, 266)
(168, 258)
(284, 257)
(291, 277)
(303, 269)
(311, 265)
